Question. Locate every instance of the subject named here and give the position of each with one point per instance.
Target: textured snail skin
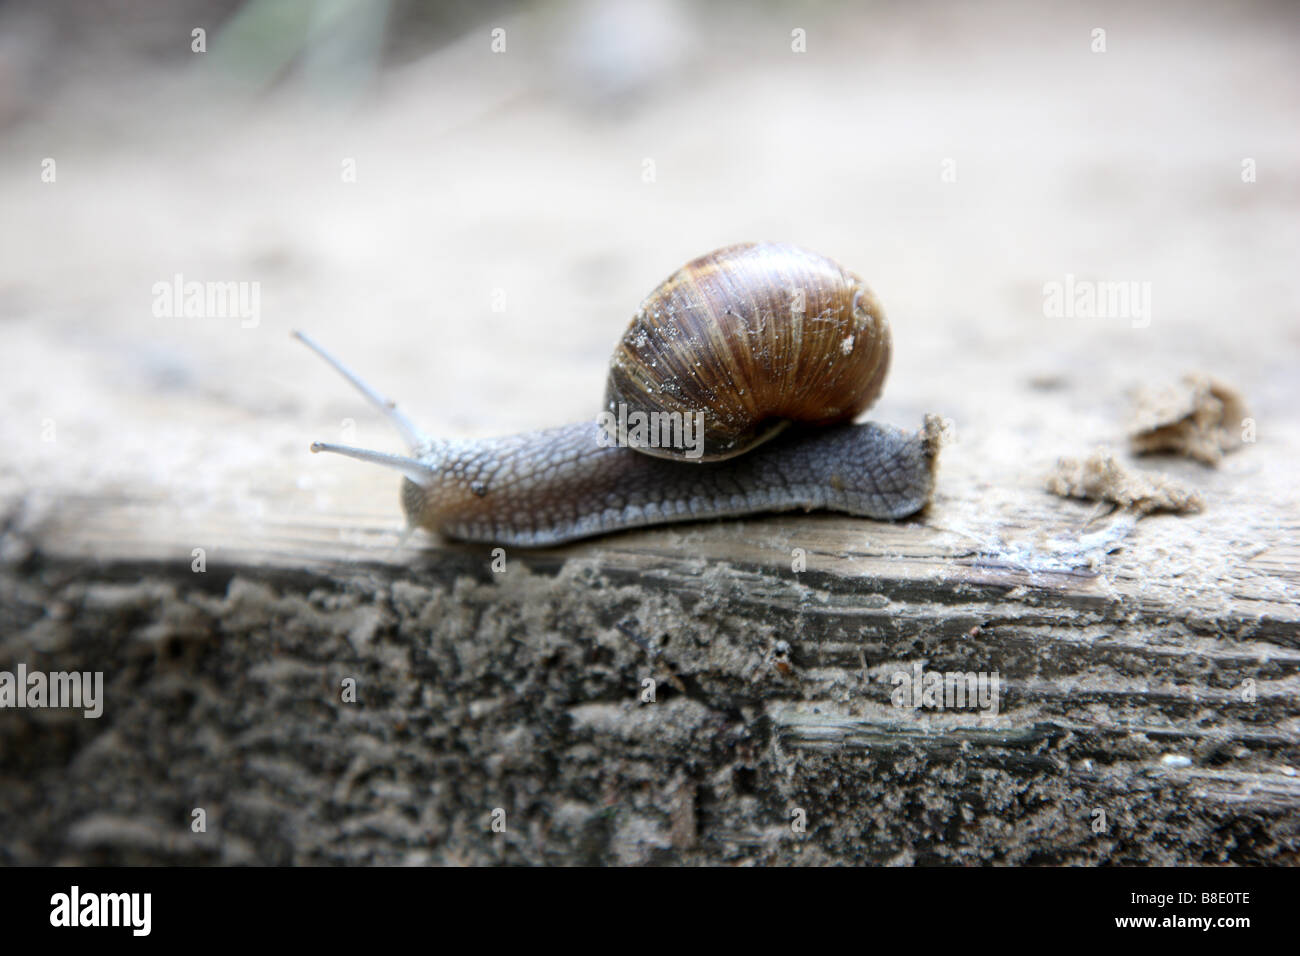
(558, 485)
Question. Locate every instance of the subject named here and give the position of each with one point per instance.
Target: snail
(750, 361)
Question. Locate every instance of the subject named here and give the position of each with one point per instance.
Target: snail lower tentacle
(562, 484)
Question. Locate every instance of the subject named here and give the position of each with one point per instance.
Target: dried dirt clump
(1100, 477)
(1198, 417)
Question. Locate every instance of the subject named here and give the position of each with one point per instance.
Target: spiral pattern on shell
(754, 336)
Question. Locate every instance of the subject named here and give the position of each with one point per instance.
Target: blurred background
(467, 200)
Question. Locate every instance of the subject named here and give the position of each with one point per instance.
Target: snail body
(494, 490)
(755, 354)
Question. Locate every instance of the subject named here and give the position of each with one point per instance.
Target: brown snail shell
(754, 336)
